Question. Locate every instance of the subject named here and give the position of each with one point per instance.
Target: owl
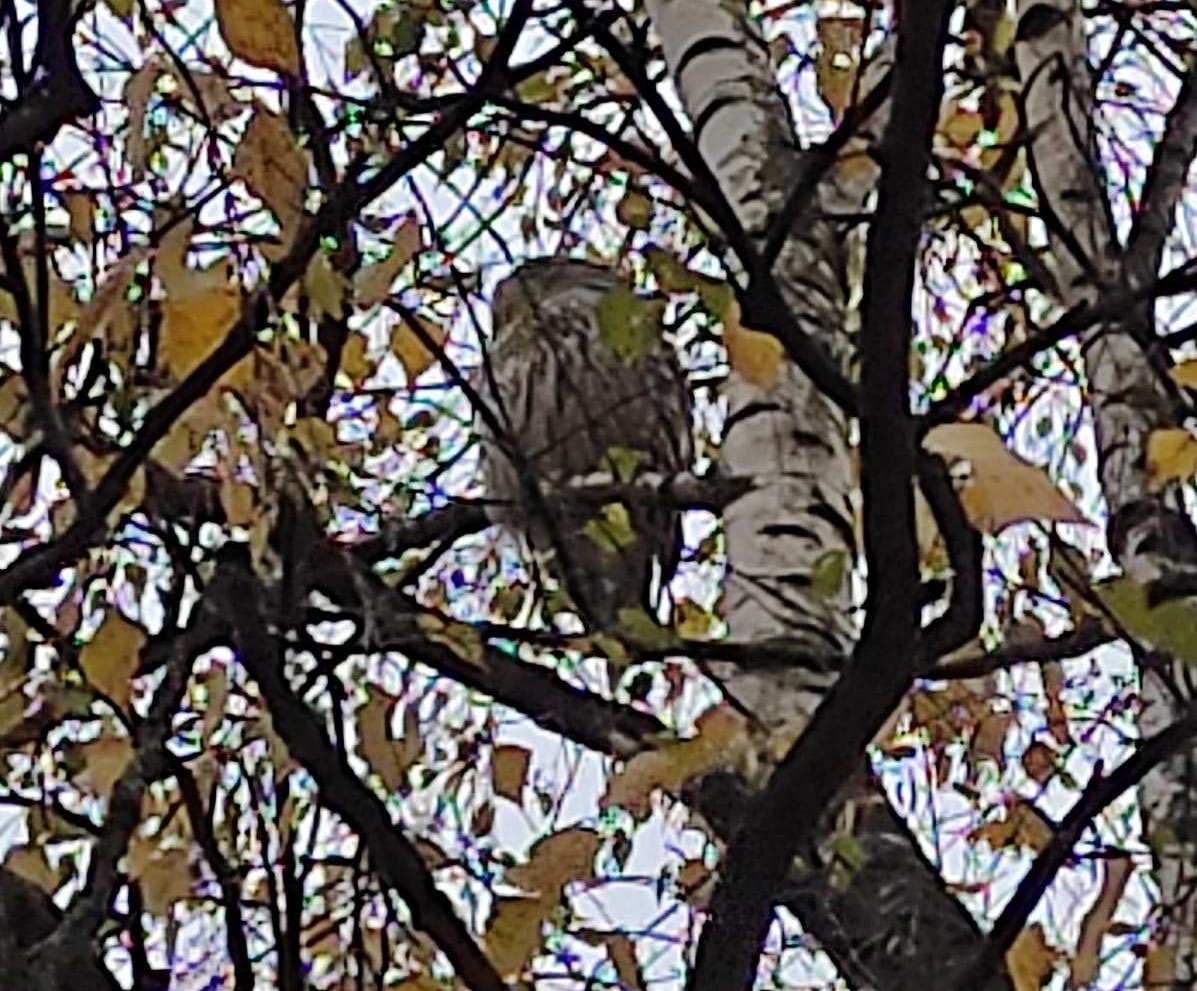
(570, 399)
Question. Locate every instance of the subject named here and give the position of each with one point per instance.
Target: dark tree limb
(57, 93)
(396, 859)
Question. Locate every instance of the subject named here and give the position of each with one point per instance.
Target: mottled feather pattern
(564, 399)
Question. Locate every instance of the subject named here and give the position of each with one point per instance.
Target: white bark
(791, 441)
(1148, 537)
(789, 438)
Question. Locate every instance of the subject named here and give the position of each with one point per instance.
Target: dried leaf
(1022, 827)
(840, 40)
(1039, 761)
(1031, 960)
(555, 861)
(81, 209)
(30, 863)
(104, 761)
(164, 873)
(670, 766)
(509, 768)
(389, 758)
(410, 349)
(1115, 872)
(109, 659)
(1002, 488)
(195, 326)
(275, 168)
(372, 284)
(514, 932)
(139, 87)
(261, 33)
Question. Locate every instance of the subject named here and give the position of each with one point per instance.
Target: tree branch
(396, 858)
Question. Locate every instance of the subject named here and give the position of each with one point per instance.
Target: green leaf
(1170, 626)
(612, 529)
(623, 462)
(628, 325)
(635, 210)
(639, 628)
(827, 574)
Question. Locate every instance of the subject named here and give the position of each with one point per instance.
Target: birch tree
(279, 708)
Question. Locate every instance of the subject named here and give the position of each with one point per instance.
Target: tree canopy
(281, 706)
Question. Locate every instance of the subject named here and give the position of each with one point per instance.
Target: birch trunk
(895, 914)
(1149, 534)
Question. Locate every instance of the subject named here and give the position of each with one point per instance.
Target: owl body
(565, 399)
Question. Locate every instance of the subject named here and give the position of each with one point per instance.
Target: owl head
(520, 297)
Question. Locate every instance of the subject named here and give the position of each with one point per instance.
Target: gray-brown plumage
(563, 398)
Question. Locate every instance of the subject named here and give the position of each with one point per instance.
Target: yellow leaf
(1171, 456)
(410, 349)
(194, 327)
(668, 767)
(1031, 960)
(372, 284)
(389, 758)
(754, 355)
(1159, 967)
(1002, 488)
(261, 33)
(509, 769)
(1185, 374)
(275, 168)
(109, 659)
(1115, 872)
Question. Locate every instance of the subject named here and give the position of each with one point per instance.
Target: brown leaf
(509, 767)
(275, 168)
(372, 284)
(1002, 488)
(555, 861)
(261, 33)
(671, 765)
(1031, 960)
(1022, 827)
(836, 65)
(104, 761)
(413, 354)
(1115, 872)
(1039, 761)
(389, 758)
(30, 863)
(110, 658)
